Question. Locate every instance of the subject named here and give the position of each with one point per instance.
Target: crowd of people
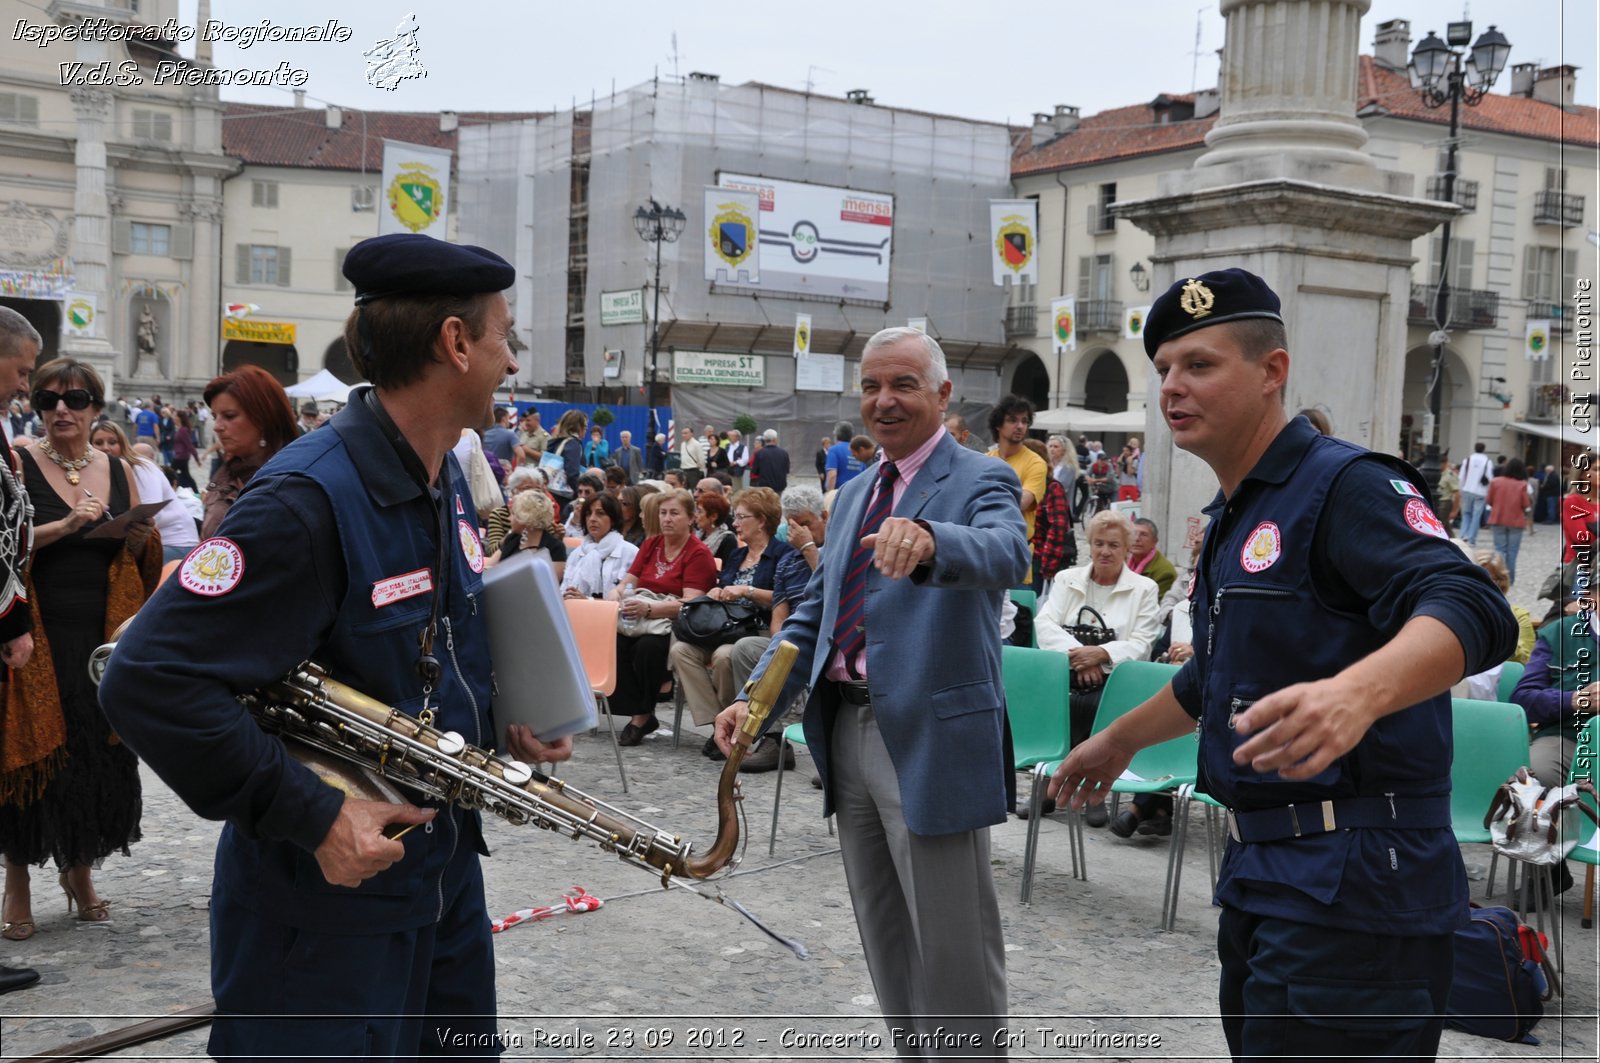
(911, 747)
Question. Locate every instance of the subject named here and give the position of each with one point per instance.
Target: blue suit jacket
(933, 640)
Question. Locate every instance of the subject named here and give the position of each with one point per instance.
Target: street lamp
(1439, 75)
(1141, 279)
(657, 225)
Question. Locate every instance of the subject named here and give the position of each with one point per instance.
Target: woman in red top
(1508, 506)
(674, 564)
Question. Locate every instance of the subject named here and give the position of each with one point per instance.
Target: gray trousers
(925, 906)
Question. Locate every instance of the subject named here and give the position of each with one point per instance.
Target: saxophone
(331, 727)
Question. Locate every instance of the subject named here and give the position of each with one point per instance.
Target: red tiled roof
(1131, 132)
(279, 136)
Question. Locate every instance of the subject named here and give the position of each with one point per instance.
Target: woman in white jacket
(596, 567)
(1127, 603)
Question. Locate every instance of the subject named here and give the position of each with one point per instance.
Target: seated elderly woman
(748, 575)
(596, 567)
(1128, 610)
(533, 528)
(522, 478)
(712, 527)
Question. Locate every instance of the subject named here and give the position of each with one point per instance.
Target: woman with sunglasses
(253, 419)
(69, 790)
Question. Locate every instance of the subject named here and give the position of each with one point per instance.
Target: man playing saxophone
(357, 548)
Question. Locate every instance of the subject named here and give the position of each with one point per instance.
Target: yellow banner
(253, 331)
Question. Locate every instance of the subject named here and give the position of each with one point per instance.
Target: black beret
(413, 264)
(1209, 299)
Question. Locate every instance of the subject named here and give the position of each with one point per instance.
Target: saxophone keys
(451, 744)
(515, 772)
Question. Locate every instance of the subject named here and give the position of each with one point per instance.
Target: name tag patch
(213, 568)
(399, 588)
(1262, 549)
(1422, 519)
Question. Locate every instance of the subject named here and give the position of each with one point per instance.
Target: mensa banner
(817, 239)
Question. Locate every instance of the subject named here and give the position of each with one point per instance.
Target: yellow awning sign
(250, 330)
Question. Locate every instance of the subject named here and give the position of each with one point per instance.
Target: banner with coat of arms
(802, 335)
(1536, 345)
(416, 189)
(79, 314)
(1013, 235)
(1133, 319)
(733, 235)
(1063, 324)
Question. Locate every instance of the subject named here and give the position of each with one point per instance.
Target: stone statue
(147, 332)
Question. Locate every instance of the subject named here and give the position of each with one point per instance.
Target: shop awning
(1566, 433)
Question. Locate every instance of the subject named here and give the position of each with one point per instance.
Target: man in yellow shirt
(1009, 422)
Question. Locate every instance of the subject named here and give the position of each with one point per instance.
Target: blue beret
(1209, 299)
(412, 264)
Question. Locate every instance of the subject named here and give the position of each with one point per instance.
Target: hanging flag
(416, 189)
(1013, 231)
(1133, 320)
(1064, 324)
(802, 335)
(238, 310)
(733, 235)
(1537, 343)
(918, 323)
(80, 314)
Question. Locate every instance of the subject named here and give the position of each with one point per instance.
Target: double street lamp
(657, 225)
(1439, 75)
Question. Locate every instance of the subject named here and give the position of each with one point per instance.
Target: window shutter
(182, 246)
(121, 236)
(283, 267)
(1569, 271)
(340, 282)
(241, 263)
(1461, 275)
(1530, 272)
(1085, 272)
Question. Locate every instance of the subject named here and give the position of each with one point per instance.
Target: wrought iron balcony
(1466, 192)
(1099, 315)
(1469, 308)
(1558, 314)
(1557, 208)
(1021, 321)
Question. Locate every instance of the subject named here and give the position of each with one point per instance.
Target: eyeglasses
(76, 399)
(744, 516)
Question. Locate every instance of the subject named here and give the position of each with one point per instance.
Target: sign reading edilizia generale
(726, 370)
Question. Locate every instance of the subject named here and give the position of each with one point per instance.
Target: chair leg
(777, 792)
(677, 712)
(1075, 828)
(1030, 846)
(1588, 898)
(1180, 832)
(1214, 844)
(1494, 859)
(611, 725)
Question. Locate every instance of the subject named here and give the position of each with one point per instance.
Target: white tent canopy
(1078, 419)
(324, 387)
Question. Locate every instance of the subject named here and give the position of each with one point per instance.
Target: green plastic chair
(1024, 597)
(1182, 802)
(793, 735)
(1038, 685)
(1157, 769)
(1510, 676)
(1491, 740)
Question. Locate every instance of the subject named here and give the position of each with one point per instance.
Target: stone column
(91, 228)
(1286, 191)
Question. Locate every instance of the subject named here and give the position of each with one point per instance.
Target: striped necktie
(850, 631)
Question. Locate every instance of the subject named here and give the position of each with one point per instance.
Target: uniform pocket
(1361, 1010)
(964, 698)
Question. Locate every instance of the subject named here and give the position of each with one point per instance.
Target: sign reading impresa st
(726, 370)
(820, 240)
(622, 308)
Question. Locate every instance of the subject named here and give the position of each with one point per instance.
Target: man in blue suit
(899, 637)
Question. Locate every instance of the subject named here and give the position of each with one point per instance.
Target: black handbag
(709, 623)
(1095, 634)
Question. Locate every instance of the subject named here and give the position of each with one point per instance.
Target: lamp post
(657, 225)
(1439, 75)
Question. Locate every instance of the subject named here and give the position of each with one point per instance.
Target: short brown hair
(764, 503)
(263, 401)
(391, 341)
(717, 506)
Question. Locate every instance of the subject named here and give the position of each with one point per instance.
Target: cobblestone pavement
(1088, 968)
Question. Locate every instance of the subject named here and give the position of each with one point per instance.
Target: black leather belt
(1320, 817)
(853, 693)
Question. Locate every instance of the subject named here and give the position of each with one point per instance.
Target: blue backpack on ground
(1498, 990)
